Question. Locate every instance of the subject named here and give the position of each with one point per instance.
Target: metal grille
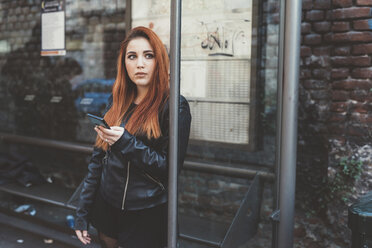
(229, 79)
(223, 115)
(220, 122)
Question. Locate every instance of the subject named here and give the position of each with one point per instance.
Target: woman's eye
(131, 57)
(149, 56)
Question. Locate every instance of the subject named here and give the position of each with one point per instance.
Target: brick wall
(314, 97)
(335, 112)
(351, 107)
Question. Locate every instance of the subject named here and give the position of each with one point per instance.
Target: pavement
(11, 237)
(18, 232)
(49, 224)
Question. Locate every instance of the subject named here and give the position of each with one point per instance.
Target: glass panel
(49, 96)
(229, 62)
(228, 74)
(216, 64)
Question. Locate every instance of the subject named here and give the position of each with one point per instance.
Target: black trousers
(145, 228)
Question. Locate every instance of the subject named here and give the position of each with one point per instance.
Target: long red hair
(144, 119)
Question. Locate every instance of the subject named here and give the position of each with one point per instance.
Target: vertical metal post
(128, 16)
(287, 177)
(175, 60)
(279, 120)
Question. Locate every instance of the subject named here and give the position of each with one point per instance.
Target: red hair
(144, 119)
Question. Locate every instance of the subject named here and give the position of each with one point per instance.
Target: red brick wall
(335, 111)
(336, 65)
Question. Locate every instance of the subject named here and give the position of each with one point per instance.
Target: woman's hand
(83, 236)
(109, 135)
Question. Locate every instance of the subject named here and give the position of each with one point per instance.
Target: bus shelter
(236, 62)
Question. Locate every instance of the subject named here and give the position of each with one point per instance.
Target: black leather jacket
(133, 173)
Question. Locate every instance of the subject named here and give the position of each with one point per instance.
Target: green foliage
(337, 187)
(341, 186)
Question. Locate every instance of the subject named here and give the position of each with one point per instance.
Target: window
(217, 74)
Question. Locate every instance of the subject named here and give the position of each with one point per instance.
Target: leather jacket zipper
(106, 157)
(126, 187)
(155, 181)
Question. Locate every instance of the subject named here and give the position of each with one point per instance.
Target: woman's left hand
(109, 135)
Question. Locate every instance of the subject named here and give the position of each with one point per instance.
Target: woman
(125, 192)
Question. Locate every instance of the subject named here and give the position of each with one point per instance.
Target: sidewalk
(16, 232)
(11, 237)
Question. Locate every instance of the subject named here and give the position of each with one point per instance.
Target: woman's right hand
(83, 236)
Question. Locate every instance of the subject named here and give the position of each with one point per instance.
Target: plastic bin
(360, 222)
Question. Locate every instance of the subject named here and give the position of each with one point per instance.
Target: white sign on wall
(53, 28)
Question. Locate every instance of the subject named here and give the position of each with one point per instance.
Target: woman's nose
(140, 62)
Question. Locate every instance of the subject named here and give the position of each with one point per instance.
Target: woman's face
(140, 62)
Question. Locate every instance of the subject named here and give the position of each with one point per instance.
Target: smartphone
(99, 121)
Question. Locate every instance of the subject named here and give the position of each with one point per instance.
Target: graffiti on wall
(220, 39)
(207, 30)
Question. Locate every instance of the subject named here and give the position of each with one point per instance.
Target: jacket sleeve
(88, 192)
(90, 185)
(154, 160)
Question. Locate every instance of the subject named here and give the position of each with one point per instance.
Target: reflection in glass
(228, 74)
(47, 97)
(52, 94)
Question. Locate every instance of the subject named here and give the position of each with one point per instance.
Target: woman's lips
(140, 74)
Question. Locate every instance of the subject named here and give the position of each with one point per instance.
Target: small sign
(53, 28)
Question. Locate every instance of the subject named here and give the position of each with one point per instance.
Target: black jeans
(144, 228)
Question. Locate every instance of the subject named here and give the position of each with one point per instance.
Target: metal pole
(289, 122)
(279, 121)
(227, 171)
(55, 144)
(128, 16)
(175, 59)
